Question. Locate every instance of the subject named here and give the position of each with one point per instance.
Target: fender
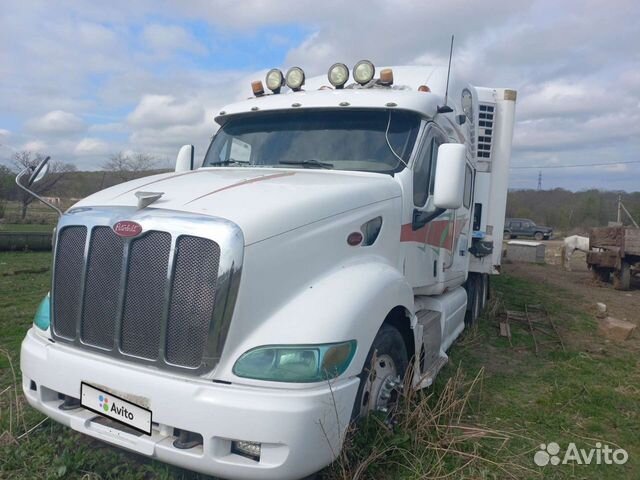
(347, 303)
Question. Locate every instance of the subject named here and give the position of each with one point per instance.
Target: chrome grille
(145, 293)
(67, 286)
(163, 298)
(102, 288)
(192, 299)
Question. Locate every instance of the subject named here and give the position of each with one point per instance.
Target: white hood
(262, 202)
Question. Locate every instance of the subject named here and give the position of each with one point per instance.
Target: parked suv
(523, 227)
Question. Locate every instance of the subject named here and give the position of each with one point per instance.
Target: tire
(474, 299)
(387, 345)
(539, 236)
(485, 291)
(622, 277)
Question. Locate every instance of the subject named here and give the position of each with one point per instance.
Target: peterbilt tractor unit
(234, 316)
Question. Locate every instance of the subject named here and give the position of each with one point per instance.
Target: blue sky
(83, 80)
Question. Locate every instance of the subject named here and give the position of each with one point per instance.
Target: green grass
(25, 227)
(588, 393)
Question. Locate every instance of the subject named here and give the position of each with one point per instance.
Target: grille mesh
(136, 307)
(145, 292)
(102, 288)
(67, 292)
(192, 299)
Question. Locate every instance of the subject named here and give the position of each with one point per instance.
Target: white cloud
(57, 122)
(165, 110)
(165, 39)
(158, 81)
(34, 146)
(91, 146)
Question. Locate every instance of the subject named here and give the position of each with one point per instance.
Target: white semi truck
(234, 316)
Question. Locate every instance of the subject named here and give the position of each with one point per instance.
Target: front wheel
(539, 236)
(381, 379)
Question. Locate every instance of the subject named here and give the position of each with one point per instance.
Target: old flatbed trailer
(614, 250)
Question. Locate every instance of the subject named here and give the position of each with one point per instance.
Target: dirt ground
(578, 281)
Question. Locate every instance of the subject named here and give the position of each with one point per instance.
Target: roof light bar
(295, 78)
(363, 72)
(274, 80)
(338, 75)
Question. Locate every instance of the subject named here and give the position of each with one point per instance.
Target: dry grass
(430, 436)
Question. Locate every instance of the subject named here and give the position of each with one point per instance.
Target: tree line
(64, 181)
(565, 211)
(571, 212)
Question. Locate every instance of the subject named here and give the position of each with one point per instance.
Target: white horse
(571, 244)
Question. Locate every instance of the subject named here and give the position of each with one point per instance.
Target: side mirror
(184, 162)
(39, 172)
(449, 183)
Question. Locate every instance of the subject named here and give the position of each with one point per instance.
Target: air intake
(485, 131)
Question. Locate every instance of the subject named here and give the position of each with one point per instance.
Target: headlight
(274, 80)
(295, 78)
(296, 363)
(363, 72)
(338, 75)
(42, 320)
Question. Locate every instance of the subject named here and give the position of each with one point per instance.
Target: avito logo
(111, 406)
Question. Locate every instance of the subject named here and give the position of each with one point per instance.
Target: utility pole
(619, 209)
(540, 181)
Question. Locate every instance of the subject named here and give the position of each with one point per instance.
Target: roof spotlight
(363, 72)
(338, 75)
(295, 78)
(274, 80)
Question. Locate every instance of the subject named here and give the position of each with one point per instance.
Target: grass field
(25, 227)
(491, 408)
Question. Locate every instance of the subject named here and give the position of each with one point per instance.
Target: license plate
(116, 408)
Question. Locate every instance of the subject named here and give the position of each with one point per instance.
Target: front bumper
(301, 430)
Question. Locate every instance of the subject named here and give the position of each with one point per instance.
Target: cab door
(425, 235)
(459, 239)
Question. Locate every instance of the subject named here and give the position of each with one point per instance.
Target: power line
(577, 165)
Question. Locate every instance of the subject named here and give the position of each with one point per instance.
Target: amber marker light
(257, 88)
(386, 76)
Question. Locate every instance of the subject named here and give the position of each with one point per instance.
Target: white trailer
(234, 316)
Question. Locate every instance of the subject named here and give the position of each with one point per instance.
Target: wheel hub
(382, 385)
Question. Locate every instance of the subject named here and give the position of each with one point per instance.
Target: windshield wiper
(229, 162)
(307, 163)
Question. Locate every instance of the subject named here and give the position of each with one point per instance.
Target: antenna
(445, 108)
(446, 91)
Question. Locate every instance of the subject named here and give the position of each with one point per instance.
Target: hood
(262, 202)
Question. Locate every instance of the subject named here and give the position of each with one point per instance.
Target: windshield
(365, 140)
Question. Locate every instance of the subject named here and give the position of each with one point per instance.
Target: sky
(82, 80)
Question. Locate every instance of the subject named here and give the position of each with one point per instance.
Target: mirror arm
(420, 219)
(33, 194)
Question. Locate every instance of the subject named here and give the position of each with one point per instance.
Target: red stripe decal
(437, 233)
(244, 182)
